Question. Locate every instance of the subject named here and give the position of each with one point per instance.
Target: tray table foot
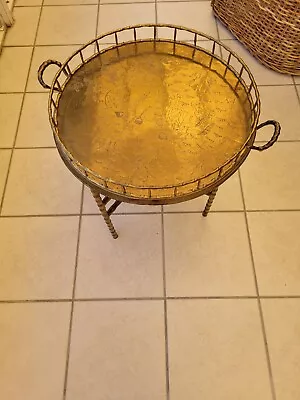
(106, 213)
(210, 200)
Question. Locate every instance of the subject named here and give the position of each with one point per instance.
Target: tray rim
(93, 179)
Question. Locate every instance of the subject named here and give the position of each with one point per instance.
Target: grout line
(60, 45)
(109, 3)
(21, 108)
(279, 141)
(142, 213)
(73, 297)
(21, 301)
(215, 211)
(264, 334)
(218, 32)
(13, 92)
(297, 91)
(278, 84)
(156, 11)
(95, 299)
(28, 148)
(39, 216)
(44, 45)
(156, 298)
(57, 5)
(166, 1)
(200, 212)
(165, 306)
(161, 1)
(75, 215)
(122, 214)
(22, 92)
(212, 297)
(280, 297)
(127, 2)
(52, 5)
(95, 4)
(97, 20)
(221, 49)
(278, 210)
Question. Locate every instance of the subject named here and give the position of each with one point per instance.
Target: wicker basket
(270, 29)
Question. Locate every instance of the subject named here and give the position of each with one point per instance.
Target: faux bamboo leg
(210, 200)
(104, 212)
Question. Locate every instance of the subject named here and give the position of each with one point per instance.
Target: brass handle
(275, 136)
(41, 71)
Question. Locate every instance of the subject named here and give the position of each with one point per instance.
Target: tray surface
(153, 114)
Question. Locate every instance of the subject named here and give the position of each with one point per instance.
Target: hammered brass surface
(153, 114)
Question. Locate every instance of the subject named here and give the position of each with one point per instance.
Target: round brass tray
(153, 114)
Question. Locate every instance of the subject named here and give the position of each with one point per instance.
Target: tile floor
(179, 307)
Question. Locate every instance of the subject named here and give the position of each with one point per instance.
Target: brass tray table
(153, 114)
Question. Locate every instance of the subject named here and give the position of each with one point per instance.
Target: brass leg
(104, 212)
(210, 200)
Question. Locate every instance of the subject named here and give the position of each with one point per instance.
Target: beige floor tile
(275, 244)
(297, 80)
(24, 28)
(14, 65)
(28, 3)
(298, 88)
(90, 206)
(10, 105)
(4, 162)
(228, 198)
(262, 75)
(117, 351)
(271, 179)
(280, 103)
(33, 346)
(216, 350)
(124, 1)
(282, 320)
(64, 25)
(68, 2)
(41, 54)
(207, 257)
(124, 14)
(39, 183)
(34, 129)
(128, 267)
(196, 15)
(39, 257)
